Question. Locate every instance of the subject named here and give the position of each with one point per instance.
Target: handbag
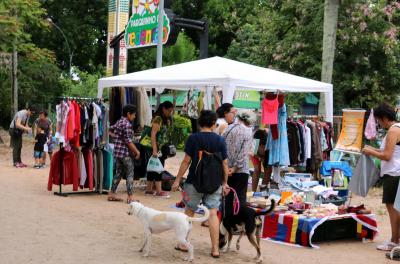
(168, 150)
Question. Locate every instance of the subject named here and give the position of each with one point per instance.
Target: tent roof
(218, 72)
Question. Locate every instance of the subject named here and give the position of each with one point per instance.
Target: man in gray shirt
(18, 126)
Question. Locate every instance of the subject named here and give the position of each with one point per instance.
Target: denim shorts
(38, 154)
(192, 198)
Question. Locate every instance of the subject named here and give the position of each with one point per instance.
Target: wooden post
(14, 81)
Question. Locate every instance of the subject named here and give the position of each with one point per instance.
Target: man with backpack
(206, 155)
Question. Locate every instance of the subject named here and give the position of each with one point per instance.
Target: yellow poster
(351, 136)
(118, 15)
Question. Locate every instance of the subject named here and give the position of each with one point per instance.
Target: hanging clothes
(83, 171)
(217, 99)
(314, 163)
(106, 124)
(270, 111)
(70, 128)
(115, 105)
(70, 170)
(279, 148)
(293, 143)
(201, 102)
(192, 105)
(62, 111)
(147, 108)
(108, 168)
(307, 142)
(89, 163)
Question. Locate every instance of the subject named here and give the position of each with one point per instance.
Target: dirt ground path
(38, 227)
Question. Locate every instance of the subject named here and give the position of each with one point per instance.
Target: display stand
(60, 192)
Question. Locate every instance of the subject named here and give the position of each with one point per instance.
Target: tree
(224, 18)
(145, 58)
(331, 14)
(37, 73)
(85, 26)
(83, 85)
(367, 62)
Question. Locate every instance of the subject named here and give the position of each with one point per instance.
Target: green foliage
(37, 73)
(287, 35)
(84, 85)
(367, 67)
(142, 59)
(38, 82)
(15, 17)
(224, 18)
(84, 24)
(181, 129)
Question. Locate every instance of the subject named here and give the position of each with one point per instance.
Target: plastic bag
(155, 165)
(46, 148)
(337, 178)
(365, 175)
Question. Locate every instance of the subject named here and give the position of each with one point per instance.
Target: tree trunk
(329, 44)
(14, 80)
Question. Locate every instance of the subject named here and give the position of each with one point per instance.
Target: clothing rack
(306, 117)
(61, 145)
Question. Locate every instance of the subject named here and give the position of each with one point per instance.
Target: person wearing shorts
(389, 154)
(260, 160)
(209, 141)
(38, 149)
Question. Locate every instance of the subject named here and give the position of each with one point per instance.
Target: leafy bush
(180, 131)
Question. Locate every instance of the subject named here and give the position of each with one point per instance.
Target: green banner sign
(247, 99)
(142, 28)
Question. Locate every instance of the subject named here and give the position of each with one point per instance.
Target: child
(40, 140)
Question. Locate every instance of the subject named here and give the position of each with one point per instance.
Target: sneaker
(387, 246)
(163, 195)
(36, 166)
(23, 165)
(149, 193)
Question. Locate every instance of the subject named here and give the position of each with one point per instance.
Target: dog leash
(236, 202)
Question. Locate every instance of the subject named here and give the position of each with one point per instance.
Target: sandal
(215, 255)
(181, 249)
(114, 199)
(394, 254)
(387, 246)
(205, 224)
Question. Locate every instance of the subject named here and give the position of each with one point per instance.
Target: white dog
(156, 222)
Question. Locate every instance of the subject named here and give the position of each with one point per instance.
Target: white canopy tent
(222, 74)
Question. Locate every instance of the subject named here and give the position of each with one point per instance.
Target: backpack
(209, 172)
